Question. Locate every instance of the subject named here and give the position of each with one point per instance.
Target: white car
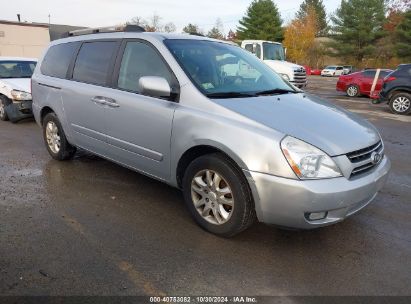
(15, 88)
(333, 70)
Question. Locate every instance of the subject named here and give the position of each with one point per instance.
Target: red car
(360, 83)
(312, 71)
(316, 72)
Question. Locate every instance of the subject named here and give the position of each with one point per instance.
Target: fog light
(315, 216)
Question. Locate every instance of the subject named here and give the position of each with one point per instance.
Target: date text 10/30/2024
(234, 299)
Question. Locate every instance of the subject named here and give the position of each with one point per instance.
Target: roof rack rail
(196, 34)
(108, 29)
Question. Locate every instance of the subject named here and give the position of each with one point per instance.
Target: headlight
(285, 76)
(20, 95)
(307, 161)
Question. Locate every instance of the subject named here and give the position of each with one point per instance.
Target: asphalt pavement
(91, 227)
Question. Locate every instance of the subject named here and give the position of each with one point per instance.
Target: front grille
(363, 159)
(300, 77)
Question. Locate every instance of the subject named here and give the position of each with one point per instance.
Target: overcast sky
(95, 13)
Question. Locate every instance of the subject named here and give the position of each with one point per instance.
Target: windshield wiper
(276, 92)
(230, 95)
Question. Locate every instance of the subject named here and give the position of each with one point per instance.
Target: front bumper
(286, 202)
(19, 110)
(341, 87)
(300, 85)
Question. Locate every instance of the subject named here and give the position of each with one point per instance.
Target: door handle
(105, 101)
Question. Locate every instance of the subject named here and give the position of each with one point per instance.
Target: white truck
(273, 54)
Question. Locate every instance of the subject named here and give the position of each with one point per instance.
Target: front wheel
(56, 142)
(400, 103)
(218, 196)
(3, 104)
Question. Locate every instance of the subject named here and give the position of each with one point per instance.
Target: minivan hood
(20, 84)
(315, 121)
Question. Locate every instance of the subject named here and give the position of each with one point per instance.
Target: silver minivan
(209, 118)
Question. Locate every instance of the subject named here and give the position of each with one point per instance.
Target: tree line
(360, 32)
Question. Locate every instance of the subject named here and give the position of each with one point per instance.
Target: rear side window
(58, 58)
(93, 62)
(404, 71)
(369, 73)
(140, 60)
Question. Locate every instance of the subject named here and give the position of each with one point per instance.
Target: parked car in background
(396, 90)
(360, 83)
(15, 89)
(312, 71)
(332, 70)
(211, 119)
(316, 72)
(347, 69)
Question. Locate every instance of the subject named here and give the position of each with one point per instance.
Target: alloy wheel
(352, 91)
(53, 137)
(401, 104)
(212, 197)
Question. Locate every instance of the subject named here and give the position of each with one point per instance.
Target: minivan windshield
(221, 70)
(16, 69)
(330, 68)
(273, 51)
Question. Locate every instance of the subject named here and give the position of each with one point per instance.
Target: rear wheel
(55, 139)
(217, 195)
(3, 104)
(353, 90)
(400, 103)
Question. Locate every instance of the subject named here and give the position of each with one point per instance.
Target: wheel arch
(201, 149)
(398, 90)
(5, 96)
(44, 111)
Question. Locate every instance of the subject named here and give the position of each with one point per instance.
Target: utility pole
(49, 18)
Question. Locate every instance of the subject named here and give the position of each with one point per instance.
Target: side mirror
(154, 86)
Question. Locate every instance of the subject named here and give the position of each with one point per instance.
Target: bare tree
(217, 32)
(153, 24)
(170, 27)
(138, 20)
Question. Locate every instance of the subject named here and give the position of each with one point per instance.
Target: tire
(239, 212)
(353, 90)
(400, 103)
(3, 103)
(55, 139)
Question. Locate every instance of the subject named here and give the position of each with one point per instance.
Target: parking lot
(90, 227)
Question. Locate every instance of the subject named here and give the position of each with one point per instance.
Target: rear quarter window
(58, 58)
(384, 74)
